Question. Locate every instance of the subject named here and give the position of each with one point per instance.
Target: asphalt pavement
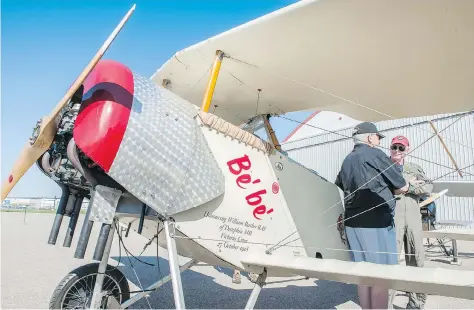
(31, 269)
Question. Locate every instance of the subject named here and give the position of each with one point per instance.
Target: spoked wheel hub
(79, 295)
(76, 289)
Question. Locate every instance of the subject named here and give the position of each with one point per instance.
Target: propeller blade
(432, 198)
(91, 64)
(27, 158)
(47, 128)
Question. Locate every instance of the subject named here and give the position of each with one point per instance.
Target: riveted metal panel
(164, 159)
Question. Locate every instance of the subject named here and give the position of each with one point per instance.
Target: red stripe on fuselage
(105, 111)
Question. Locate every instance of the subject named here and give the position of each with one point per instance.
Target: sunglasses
(395, 147)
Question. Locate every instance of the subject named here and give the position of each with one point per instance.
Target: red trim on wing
(105, 111)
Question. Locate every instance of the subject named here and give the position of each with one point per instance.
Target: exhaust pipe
(78, 198)
(53, 235)
(73, 157)
(85, 233)
(46, 166)
(101, 242)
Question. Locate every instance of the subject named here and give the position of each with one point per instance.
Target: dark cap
(366, 127)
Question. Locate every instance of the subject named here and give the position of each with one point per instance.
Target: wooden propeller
(432, 198)
(45, 130)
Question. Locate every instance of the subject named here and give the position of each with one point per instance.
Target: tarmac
(31, 269)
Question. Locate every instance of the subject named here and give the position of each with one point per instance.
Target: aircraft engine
(61, 164)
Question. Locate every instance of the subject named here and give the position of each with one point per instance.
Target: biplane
(169, 156)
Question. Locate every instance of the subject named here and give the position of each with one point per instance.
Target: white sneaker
(253, 277)
(236, 278)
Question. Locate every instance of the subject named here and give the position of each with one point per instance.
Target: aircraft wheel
(76, 288)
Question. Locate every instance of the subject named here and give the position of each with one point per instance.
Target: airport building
(322, 141)
(37, 203)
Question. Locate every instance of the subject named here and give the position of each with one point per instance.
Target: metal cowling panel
(164, 159)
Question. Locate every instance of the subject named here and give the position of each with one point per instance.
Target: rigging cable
(338, 222)
(394, 198)
(339, 97)
(133, 268)
(354, 103)
(313, 247)
(394, 164)
(379, 146)
(128, 252)
(434, 135)
(408, 124)
(301, 246)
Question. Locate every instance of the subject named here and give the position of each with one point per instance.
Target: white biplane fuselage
(248, 202)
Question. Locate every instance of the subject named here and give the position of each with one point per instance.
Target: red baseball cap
(400, 140)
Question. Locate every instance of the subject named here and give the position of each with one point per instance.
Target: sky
(47, 44)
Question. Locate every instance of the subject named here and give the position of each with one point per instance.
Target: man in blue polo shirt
(370, 180)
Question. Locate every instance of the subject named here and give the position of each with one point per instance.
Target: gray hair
(361, 138)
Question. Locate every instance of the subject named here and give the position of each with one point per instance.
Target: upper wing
(368, 59)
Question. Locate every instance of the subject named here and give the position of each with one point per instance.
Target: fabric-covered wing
(435, 281)
(400, 58)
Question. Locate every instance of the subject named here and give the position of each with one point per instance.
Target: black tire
(87, 274)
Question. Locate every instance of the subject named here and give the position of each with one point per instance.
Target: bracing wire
(433, 135)
(344, 99)
(368, 108)
(272, 245)
(379, 146)
(394, 198)
(380, 173)
(129, 253)
(409, 124)
(120, 243)
(131, 265)
(418, 186)
(338, 97)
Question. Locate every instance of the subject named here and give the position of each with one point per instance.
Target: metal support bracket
(104, 202)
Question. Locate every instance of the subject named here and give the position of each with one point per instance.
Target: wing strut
(445, 147)
(271, 132)
(206, 101)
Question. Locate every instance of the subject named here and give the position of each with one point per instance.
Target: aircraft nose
(105, 111)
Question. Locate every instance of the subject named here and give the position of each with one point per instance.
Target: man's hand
(402, 190)
(405, 188)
